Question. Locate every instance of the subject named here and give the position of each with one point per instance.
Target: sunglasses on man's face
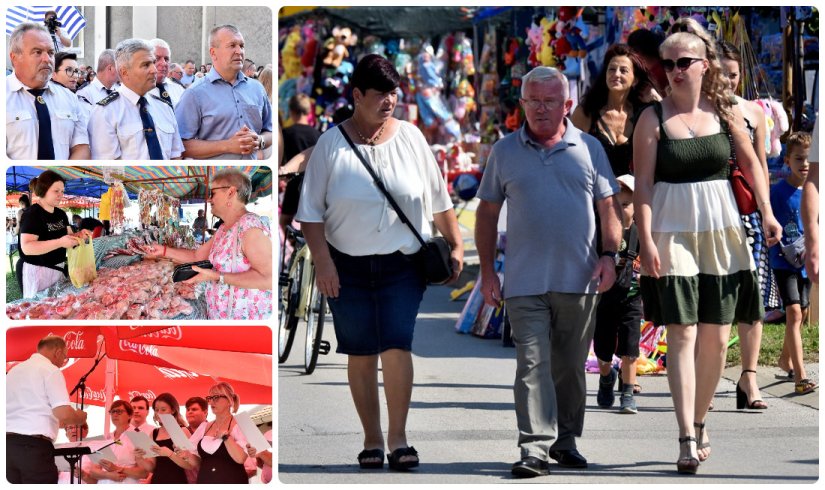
(682, 63)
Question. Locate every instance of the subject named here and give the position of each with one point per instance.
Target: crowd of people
(37, 406)
(137, 104)
(638, 177)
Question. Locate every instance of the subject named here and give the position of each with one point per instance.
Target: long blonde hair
(688, 33)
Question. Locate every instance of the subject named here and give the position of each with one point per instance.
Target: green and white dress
(707, 273)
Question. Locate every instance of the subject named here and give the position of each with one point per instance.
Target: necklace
(370, 141)
(689, 128)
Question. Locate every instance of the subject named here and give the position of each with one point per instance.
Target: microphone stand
(81, 385)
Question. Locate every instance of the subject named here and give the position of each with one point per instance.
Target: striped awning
(181, 181)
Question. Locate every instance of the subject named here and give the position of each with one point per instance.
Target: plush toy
(777, 125)
(462, 102)
(336, 46)
(289, 54)
(310, 46)
(512, 50)
(547, 55)
(534, 36)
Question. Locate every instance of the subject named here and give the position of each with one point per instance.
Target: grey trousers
(552, 334)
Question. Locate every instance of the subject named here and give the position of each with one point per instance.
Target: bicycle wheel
(315, 329)
(287, 304)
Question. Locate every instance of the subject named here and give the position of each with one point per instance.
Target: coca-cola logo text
(144, 350)
(149, 395)
(171, 373)
(94, 395)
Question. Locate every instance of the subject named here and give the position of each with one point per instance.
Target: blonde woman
(221, 446)
(696, 265)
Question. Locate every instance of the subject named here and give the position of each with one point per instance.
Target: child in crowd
(793, 282)
(619, 315)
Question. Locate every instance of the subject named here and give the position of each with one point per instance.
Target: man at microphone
(37, 402)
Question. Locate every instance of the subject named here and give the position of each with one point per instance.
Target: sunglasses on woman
(211, 398)
(682, 63)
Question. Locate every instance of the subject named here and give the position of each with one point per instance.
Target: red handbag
(742, 192)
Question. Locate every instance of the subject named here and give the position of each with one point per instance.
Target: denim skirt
(377, 303)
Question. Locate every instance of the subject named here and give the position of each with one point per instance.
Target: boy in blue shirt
(793, 282)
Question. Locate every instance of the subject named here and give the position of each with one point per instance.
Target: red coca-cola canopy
(234, 338)
(152, 369)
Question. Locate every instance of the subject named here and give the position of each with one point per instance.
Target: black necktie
(108, 91)
(164, 94)
(45, 146)
(137, 429)
(155, 153)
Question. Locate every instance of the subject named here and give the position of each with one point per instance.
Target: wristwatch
(612, 255)
(221, 279)
(261, 142)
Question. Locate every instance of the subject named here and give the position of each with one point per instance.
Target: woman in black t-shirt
(45, 235)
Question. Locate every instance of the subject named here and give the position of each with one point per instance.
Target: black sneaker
(605, 396)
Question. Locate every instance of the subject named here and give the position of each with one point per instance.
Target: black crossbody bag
(434, 256)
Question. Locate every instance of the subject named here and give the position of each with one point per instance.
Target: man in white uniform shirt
(132, 123)
(164, 88)
(43, 120)
(105, 81)
(140, 405)
(36, 403)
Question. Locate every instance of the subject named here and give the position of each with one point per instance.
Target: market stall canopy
(181, 181)
(394, 21)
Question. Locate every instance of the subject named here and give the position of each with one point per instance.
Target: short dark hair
(126, 406)
(189, 61)
(375, 72)
(200, 401)
(62, 56)
(139, 398)
(646, 42)
(24, 200)
(41, 184)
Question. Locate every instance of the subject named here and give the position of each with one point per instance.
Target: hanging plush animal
(777, 125)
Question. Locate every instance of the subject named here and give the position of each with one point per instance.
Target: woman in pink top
(239, 287)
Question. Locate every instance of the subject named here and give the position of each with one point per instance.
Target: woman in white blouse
(221, 446)
(363, 253)
(123, 469)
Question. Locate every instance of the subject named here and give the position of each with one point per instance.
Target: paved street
(462, 421)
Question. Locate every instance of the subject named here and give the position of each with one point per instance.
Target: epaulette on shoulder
(167, 102)
(84, 99)
(109, 98)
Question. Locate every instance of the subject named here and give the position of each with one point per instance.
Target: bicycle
(300, 299)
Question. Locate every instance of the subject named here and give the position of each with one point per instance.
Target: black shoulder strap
(605, 130)
(657, 106)
(382, 188)
(633, 244)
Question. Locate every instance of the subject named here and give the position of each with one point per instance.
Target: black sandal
(700, 436)
(394, 459)
(371, 454)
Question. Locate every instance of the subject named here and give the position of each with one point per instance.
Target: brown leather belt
(38, 436)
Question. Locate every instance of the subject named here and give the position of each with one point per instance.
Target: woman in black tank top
(166, 464)
(610, 107)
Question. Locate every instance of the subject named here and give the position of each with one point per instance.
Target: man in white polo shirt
(36, 403)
